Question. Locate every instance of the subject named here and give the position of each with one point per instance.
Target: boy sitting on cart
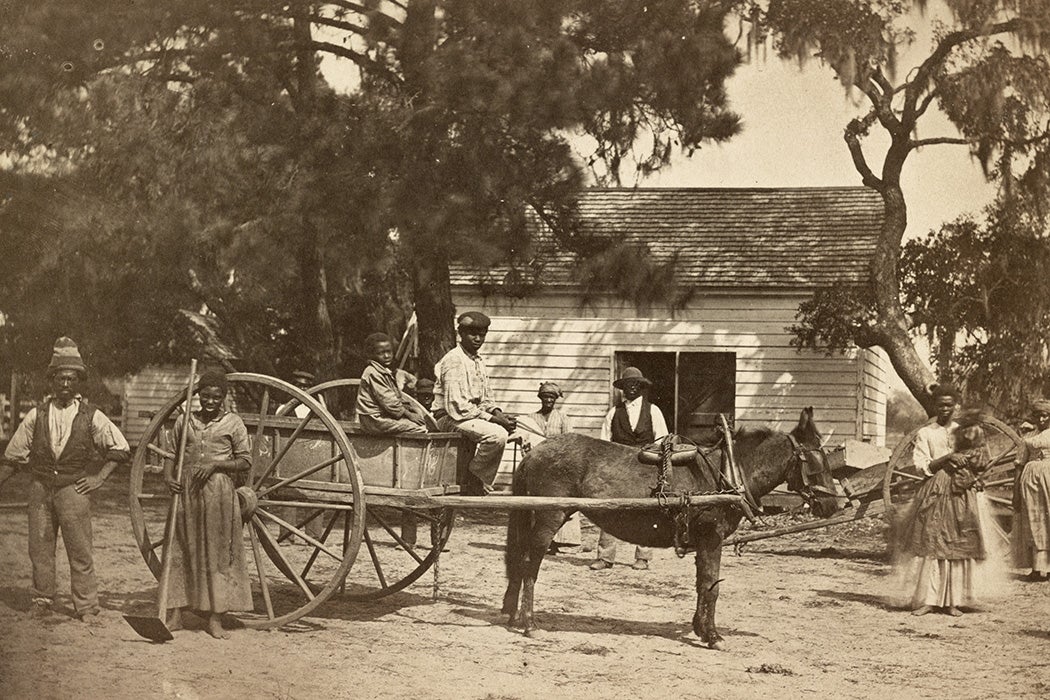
(381, 405)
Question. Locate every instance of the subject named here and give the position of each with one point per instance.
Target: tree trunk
(892, 326)
(432, 290)
(319, 335)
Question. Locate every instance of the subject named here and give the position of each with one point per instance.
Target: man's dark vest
(78, 454)
(639, 436)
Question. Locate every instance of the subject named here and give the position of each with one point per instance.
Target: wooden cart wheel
(1005, 448)
(393, 562)
(311, 508)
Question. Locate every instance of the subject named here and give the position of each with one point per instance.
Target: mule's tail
(518, 528)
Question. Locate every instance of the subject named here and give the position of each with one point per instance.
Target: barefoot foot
(925, 609)
(215, 627)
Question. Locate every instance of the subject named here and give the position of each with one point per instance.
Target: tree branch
(948, 44)
(852, 134)
(360, 59)
(926, 101)
(338, 24)
(372, 15)
(919, 143)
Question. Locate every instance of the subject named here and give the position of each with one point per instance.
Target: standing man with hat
(637, 423)
(463, 400)
(62, 441)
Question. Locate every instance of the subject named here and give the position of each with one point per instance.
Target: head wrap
(549, 388)
(215, 379)
(424, 384)
(66, 356)
(1040, 406)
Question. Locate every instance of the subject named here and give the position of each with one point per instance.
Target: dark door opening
(690, 388)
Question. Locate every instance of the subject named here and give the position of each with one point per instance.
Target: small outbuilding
(739, 262)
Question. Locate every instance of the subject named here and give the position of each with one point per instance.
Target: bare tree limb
(926, 101)
(372, 15)
(852, 134)
(365, 62)
(919, 143)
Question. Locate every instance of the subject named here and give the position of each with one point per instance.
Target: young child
(381, 407)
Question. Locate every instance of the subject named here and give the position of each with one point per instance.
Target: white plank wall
(145, 393)
(550, 336)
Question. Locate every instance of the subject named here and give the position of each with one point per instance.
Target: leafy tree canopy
(213, 122)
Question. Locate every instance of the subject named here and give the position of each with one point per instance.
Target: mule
(575, 465)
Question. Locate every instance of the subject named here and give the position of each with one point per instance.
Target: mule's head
(810, 475)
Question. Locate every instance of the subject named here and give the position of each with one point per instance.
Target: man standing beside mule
(60, 441)
(463, 400)
(637, 423)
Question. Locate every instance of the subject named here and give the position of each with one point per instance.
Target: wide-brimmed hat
(631, 374)
(66, 356)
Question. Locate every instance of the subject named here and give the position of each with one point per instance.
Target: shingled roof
(777, 238)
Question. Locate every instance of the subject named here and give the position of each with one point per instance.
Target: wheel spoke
(302, 535)
(1001, 501)
(303, 474)
(284, 449)
(346, 543)
(274, 550)
(158, 450)
(906, 475)
(263, 583)
(424, 515)
(288, 533)
(264, 409)
(1002, 455)
(324, 536)
(407, 547)
(375, 558)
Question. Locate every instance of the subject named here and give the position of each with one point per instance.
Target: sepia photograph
(524, 349)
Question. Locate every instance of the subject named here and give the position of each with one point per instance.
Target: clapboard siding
(144, 394)
(552, 337)
(876, 373)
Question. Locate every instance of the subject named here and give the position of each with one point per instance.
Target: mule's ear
(805, 418)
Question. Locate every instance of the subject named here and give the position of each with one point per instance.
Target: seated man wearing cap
(463, 399)
(62, 441)
(381, 405)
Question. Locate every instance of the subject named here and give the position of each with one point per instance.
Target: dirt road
(804, 616)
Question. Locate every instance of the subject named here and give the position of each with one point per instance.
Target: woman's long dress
(1030, 541)
(557, 423)
(208, 569)
(945, 536)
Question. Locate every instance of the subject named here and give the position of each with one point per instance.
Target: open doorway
(690, 388)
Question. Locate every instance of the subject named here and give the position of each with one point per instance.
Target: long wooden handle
(169, 531)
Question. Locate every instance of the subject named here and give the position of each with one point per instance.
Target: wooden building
(744, 259)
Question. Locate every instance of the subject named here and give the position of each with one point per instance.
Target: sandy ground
(803, 615)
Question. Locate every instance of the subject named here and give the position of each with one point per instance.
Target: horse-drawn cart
(322, 488)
